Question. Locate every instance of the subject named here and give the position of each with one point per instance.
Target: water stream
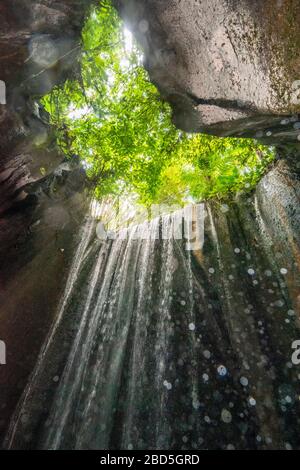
(156, 346)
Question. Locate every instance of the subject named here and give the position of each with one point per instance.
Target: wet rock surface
(42, 199)
(160, 347)
(221, 63)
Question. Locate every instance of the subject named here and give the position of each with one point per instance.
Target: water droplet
(283, 271)
(43, 51)
(143, 26)
(192, 327)
(230, 447)
(222, 370)
(251, 272)
(207, 354)
(252, 401)
(211, 270)
(226, 416)
(244, 381)
(284, 122)
(168, 385)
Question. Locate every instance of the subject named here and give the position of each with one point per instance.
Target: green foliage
(116, 122)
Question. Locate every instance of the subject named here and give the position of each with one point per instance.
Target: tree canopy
(114, 119)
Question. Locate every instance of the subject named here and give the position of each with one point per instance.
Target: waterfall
(160, 346)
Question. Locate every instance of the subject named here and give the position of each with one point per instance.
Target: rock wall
(225, 65)
(39, 44)
(42, 199)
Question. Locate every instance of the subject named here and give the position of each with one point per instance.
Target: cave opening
(114, 120)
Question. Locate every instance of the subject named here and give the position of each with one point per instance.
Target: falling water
(157, 346)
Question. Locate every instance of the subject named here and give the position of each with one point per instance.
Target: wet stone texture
(39, 45)
(223, 64)
(158, 347)
(42, 201)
